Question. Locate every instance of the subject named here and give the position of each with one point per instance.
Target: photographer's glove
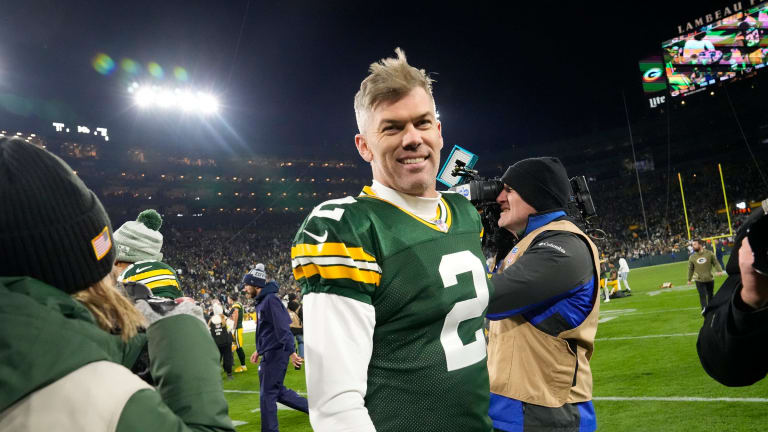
(156, 310)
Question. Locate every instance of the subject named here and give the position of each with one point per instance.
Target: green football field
(647, 375)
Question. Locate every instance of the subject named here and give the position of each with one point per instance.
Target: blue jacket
(273, 328)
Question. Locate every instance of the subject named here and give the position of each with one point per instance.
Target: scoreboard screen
(727, 49)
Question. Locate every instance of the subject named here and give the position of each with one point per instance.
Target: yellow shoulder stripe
(337, 272)
(331, 249)
(149, 274)
(161, 283)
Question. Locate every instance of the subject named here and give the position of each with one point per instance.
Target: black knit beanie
(52, 227)
(542, 182)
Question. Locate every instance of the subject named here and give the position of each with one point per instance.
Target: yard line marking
(680, 399)
(254, 392)
(617, 311)
(237, 423)
(626, 312)
(645, 337)
(279, 407)
(608, 315)
(677, 288)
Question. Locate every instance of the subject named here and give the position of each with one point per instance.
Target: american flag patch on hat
(102, 243)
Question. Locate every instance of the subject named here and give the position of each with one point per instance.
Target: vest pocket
(499, 365)
(541, 368)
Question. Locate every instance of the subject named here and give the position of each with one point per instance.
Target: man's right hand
(255, 357)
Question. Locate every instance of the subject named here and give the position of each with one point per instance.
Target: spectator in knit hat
(274, 345)
(139, 258)
(56, 288)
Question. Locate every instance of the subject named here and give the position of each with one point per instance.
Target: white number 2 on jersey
(458, 355)
(334, 214)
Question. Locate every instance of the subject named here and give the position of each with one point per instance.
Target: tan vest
(529, 365)
(295, 321)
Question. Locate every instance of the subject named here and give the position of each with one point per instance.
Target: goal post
(725, 200)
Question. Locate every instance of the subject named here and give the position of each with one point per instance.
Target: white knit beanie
(136, 242)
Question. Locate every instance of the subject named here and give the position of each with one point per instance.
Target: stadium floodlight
(741, 205)
(185, 100)
(207, 103)
(145, 97)
(166, 99)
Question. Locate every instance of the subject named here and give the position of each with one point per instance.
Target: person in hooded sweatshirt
(274, 344)
(58, 290)
(221, 335)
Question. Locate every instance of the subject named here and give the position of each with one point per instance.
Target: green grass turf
(622, 368)
(664, 366)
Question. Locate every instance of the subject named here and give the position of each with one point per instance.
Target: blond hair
(112, 310)
(390, 79)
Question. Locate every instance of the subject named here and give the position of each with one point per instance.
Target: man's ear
(362, 147)
(440, 133)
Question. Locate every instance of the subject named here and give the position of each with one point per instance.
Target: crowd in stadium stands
(211, 264)
(621, 218)
(212, 261)
(224, 218)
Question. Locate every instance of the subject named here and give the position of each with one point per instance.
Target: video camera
(482, 193)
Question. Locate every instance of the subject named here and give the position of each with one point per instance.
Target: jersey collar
(441, 222)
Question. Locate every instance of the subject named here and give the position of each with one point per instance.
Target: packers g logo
(652, 74)
(701, 260)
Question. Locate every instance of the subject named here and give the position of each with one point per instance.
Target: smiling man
(393, 280)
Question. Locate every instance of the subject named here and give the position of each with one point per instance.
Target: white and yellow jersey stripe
(334, 261)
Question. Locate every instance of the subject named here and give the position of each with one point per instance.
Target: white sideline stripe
(280, 407)
(237, 423)
(673, 289)
(653, 311)
(644, 337)
(254, 392)
(680, 399)
(606, 319)
(617, 311)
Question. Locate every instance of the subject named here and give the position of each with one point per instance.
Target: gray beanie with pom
(140, 240)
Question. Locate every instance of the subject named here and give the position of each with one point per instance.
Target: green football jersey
(239, 307)
(157, 276)
(427, 283)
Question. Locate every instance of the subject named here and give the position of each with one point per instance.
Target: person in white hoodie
(623, 273)
(221, 335)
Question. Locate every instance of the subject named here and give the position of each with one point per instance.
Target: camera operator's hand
(754, 291)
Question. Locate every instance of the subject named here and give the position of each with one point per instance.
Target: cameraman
(731, 342)
(544, 307)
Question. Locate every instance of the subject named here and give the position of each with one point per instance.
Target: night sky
(506, 75)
